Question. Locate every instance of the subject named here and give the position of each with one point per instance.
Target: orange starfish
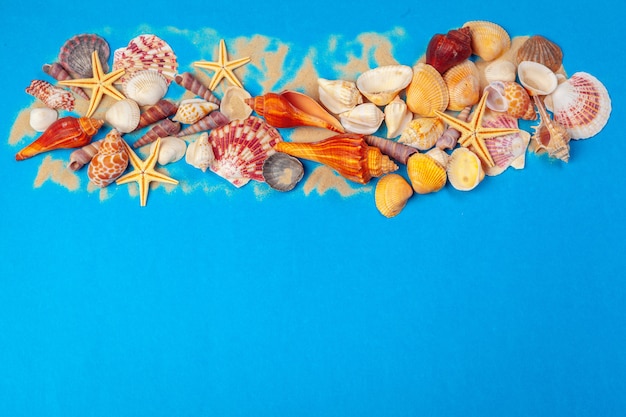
(223, 67)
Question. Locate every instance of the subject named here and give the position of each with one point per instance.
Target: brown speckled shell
(110, 162)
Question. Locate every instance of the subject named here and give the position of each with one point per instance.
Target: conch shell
(110, 162)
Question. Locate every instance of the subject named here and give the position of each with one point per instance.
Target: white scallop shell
(365, 119)
(172, 149)
(191, 110)
(536, 78)
(42, 117)
(397, 117)
(233, 103)
(200, 153)
(382, 84)
(146, 87)
(123, 115)
(338, 96)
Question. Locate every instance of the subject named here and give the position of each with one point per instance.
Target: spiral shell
(81, 156)
(52, 96)
(164, 128)
(161, 110)
(110, 162)
(192, 84)
(427, 91)
(192, 110)
(422, 132)
(489, 40)
(541, 50)
(445, 51)
(427, 175)
(56, 71)
(391, 194)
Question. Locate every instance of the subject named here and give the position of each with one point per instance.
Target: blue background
(505, 301)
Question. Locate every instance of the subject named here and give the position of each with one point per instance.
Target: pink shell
(504, 149)
(241, 147)
(146, 52)
(110, 162)
(52, 96)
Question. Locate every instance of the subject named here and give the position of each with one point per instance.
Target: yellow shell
(391, 195)
(464, 169)
(427, 91)
(422, 132)
(426, 174)
(463, 82)
(489, 40)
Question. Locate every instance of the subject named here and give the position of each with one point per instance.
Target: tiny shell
(110, 162)
(489, 40)
(233, 104)
(391, 194)
(541, 50)
(427, 175)
(382, 84)
(464, 169)
(338, 96)
(192, 110)
(397, 117)
(282, 171)
(200, 153)
(422, 132)
(536, 78)
(427, 91)
(365, 118)
(42, 117)
(123, 115)
(172, 149)
(463, 82)
(146, 87)
(500, 70)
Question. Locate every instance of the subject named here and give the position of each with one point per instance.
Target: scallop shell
(536, 78)
(427, 91)
(422, 132)
(397, 117)
(146, 87)
(192, 110)
(233, 103)
(338, 96)
(41, 118)
(365, 119)
(489, 40)
(581, 104)
(241, 147)
(200, 153)
(504, 149)
(382, 84)
(500, 70)
(146, 52)
(110, 162)
(50, 95)
(427, 175)
(464, 169)
(172, 149)
(541, 50)
(391, 194)
(463, 82)
(282, 171)
(123, 115)
(75, 54)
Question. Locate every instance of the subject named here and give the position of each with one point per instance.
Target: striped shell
(146, 52)
(146, 87)
(427, 91)
(192, 110)
(504, 150)
(75, 54)
(110, 162)
(489, 40)
(463, 82)
(282, 171)
(123, 115)
(422, 132)
(427, 175)
(464, 170)
(54, 97)
(541, 50)
(391, 194)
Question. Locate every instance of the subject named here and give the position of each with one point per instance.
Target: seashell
(348, 154)
(65, 133)
(164, 128)
(338, 96)
(211, 121)
(292, 109)
(172, 149)
(192, 84)
(81, 156)
(439, 155)
(192, 110)
(365, 118)
(581, 104)
(282, 171)
(422, 132)
(110, 162)
(550, 136)
(41, 118)
(123, 115)
(464, 169)
(463, 82)
(59, 73)
(445, 51)
(162, 109)
(504, 149)
(536, 78)
(427, 175)
(397, 117)
(391, 194)
(233, 104)
(511, 98)
(450, 136)
(496, 100)
(200, 153)
(427, 91)
(489, 40)
(395, 150)
(241, 147)
(50, 95)
(382, 84)
(146, 52)
(145, 87)
(75, 54)
(500, 70)
(539, 49)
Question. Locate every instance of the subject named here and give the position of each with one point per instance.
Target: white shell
(172, 149)
(200, 153)
(464, 169)
(233, 105)
(146, 87)
(365, 119)
(382, 84)
(397, 117)
(123, 115)
(42, 117)
(496, 100)
(536, 78)
(191, 110)
(338, 96)
(439, 155)
(500, 70)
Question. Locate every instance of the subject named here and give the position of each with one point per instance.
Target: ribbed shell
(146, 52)
(507, 148)
(391, 194)
(52, 96)
(123, 115)
(75, 54)
(382, 84)
(282, 171)
(146, 87)
(463, 82)
(539, 49)
(427, 91)
(489, 40)
(426, 174)
(110, 162)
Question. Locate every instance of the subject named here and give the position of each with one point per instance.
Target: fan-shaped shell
(191, 110)
(75, 54)
(110, 162)
(382, 84)
(365, 118)
(541, 50)
(146, 87)
(123, 115)
(200, 153)
(464, 170)
(282, 171)
(397, 117)
(172, 149)
(463, 82)
(233, 103)
(427, 175)
(41, 118)
(507, 148)
(391, 194)
(338, 96)
(581, 104)
(536, 78)
(427, 91)
(422, 132)
(489, 40)
(146, 52)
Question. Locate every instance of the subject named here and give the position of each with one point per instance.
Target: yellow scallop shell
(465, 171)
(463, 82)
(427, 91)
(489, 40)
(391, 194)
(426, 174)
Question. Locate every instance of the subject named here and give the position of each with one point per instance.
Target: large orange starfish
(144, 172)
(223, 67)
(473, 134)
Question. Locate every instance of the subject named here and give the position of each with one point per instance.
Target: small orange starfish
(144, 172)
(473, 134)
(100, 83)
(223, 67)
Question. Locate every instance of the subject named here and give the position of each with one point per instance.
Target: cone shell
(75, 54)
(161, 110)
(382, 84)
(397, 117)
(445, 51)
(427, 175)
(41, 118)
(192, 84)
(536, 78)
(164, 128)
(282, 171)
(110, 162)
(52, 96)
(395, 150)
(200, 153)
(146, 87)
(146, 52)
(427, 91)
(464, 169)
(211, 121)
(123, 115)
(489, 40)
(463, 82)
(171, 149)
(365, 118)
(422, 132)
(391, 194)
(541, 50)
(192, 110)
(233, 104)
(338, 96)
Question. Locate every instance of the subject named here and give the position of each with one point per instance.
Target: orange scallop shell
(391, 194)
(426, 174)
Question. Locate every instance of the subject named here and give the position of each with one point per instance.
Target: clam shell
(463, 82)
(581, 104)
(172, 149)
(422, 132)
(427, 175)
(146, 87)
(500, 70)
(41, 118)
(536, 78)
(382, 84)
(541, 50)
(427, 91)
(191, 110)
(75, 54)
(365, 119)
(146, 52)
(489, 40)
(338, 96)
(282, 171)
(391, 194)
(200, 153)
(123, 115)
(464, 169)
(233, 103)
(397, 117)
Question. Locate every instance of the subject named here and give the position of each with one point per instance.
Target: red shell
(445, 51)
